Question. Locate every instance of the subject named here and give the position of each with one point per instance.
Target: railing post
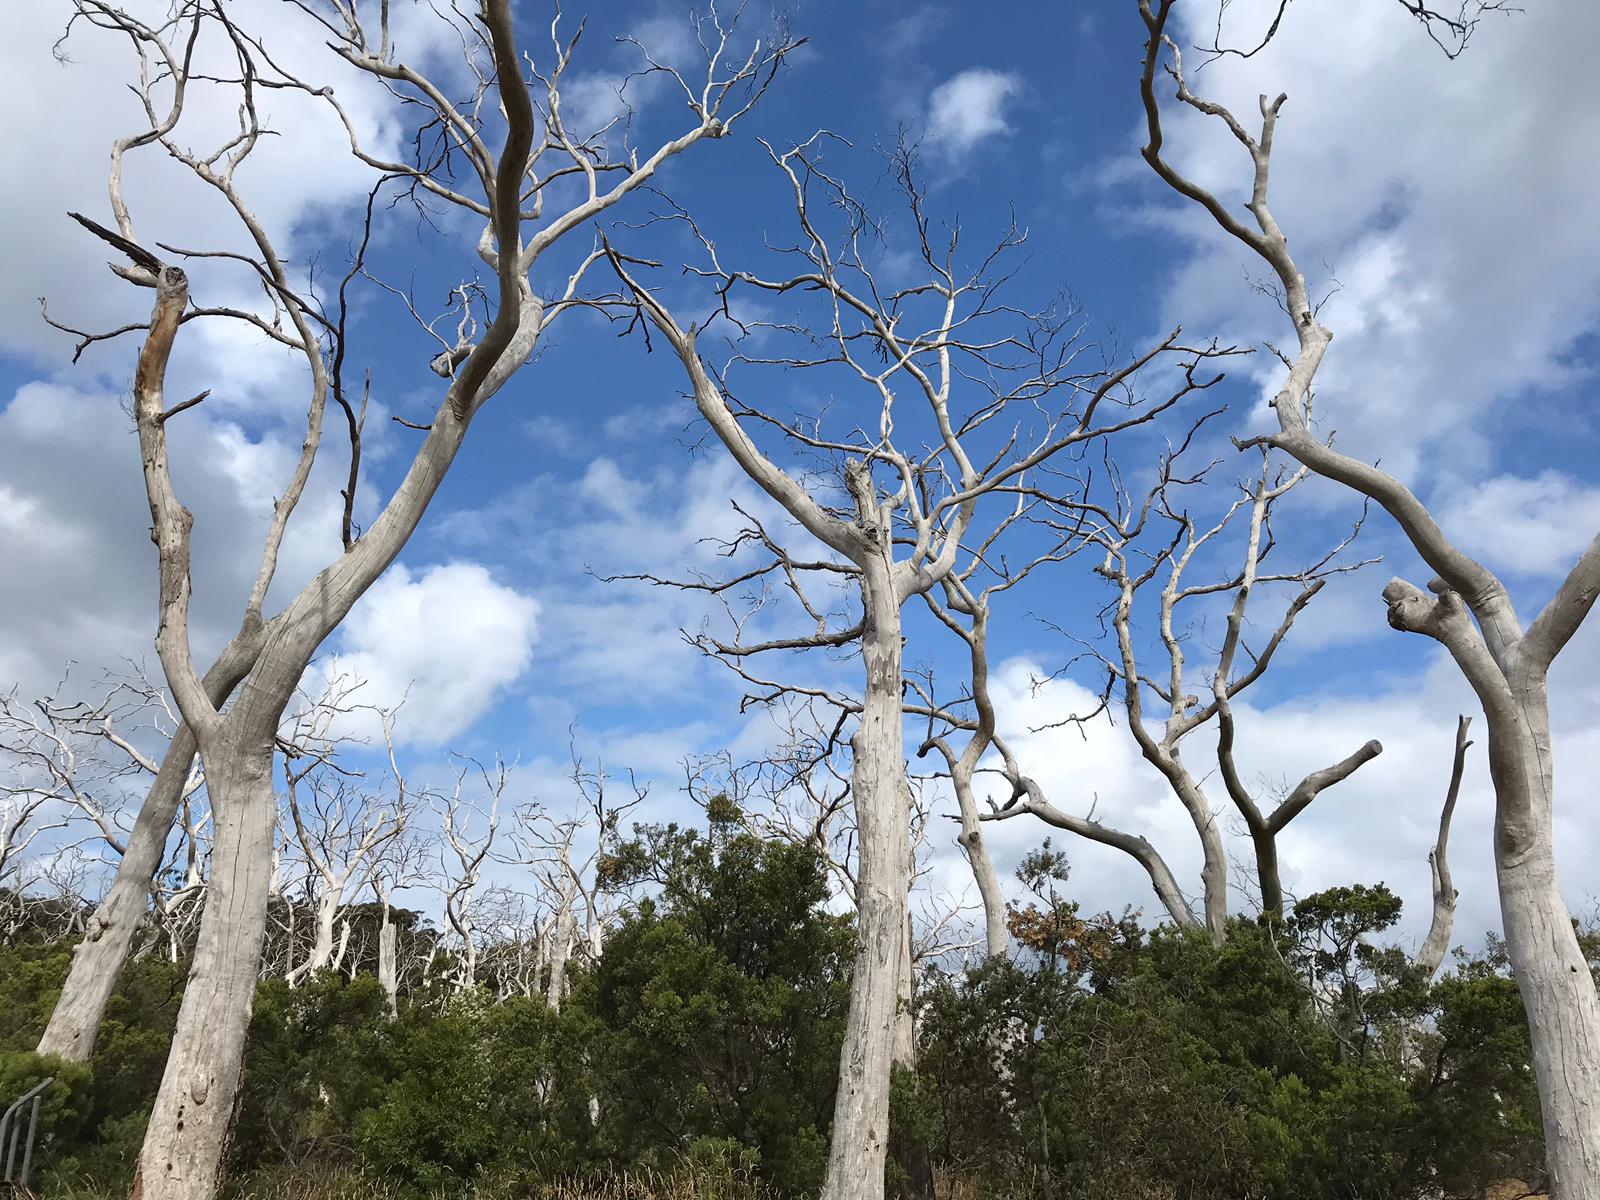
(11, 1139)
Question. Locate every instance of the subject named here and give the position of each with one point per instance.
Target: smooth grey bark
(98, 959)
(188, 1129)
(388, 974)
(560, 953)
(858, 1150)
(963, 766)
(1430, 957)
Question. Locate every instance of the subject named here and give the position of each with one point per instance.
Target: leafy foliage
(1305, 1061)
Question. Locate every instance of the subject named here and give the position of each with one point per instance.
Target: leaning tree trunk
(99, 958)
(188, 1130)
(859, 1144)
(1552, 974)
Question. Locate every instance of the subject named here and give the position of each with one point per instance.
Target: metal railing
(12, 1141)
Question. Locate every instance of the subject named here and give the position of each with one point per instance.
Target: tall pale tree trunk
(859, 1145)
(560, 954)
(98, 960)
(1552, 974)
(388, 974)
(995, 934)
(188, 1131)
(322, 943)
(905, 1025)
(1214, 858)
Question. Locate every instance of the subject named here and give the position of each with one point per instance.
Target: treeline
(1100, 1058)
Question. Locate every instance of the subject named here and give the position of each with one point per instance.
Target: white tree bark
(388, 972)
(188, 1129)
(1430, 956)
(858, 1149)
(560, 953)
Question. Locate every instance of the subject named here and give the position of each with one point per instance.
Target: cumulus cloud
(970, 108)
(1446, 204)
(79, 581)
(1536, 526)
(1376, 826)
(447, 640)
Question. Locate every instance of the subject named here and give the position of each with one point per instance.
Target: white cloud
(970, 108)
(449, 640)
(89, 105)
(79, 581)
(1535, 526)
(1377, 825)
(1451, 199)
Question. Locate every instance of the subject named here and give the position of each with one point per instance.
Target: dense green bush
(698, 1058)
(1305, 1064)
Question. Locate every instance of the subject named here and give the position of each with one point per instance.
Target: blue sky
(1450, 202)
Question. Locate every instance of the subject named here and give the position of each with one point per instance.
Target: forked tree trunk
(859, 1145)
(322, 947)
(188, 1131)
(1557, 988)
(99, 958)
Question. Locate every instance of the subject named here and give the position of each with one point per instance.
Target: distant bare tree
(467, 832)
(340, 829)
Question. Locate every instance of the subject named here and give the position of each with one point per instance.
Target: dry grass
(686, 1183)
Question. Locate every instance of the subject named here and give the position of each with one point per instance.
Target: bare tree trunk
(560, 952)
(995, 934)
(905, 1026)
(98, 960)
(1214, 862)
(859, 1144)
(188, 1130)
(388, 976)
(1437, 944)
(322, 938)
(910, 1150)
(1552, 974)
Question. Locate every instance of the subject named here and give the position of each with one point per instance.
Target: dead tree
(965, 609)
(341, 831)
(467, 832)
(968, 363)
(1470, 613)
(1156, 545)
(1430, 955)
(496, 328)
